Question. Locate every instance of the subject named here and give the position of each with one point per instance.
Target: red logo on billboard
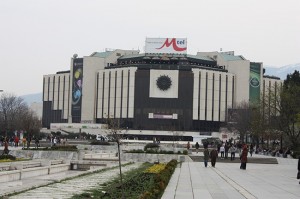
(174, 44)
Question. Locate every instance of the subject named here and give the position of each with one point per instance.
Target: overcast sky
(39, 37)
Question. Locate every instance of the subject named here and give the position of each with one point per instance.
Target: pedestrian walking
(232, 152)
(298, 174)
(197, 147)
(5, 151)
(37, 142)
(222, 150)
(251, 149)
(243, 157)
(24, 142)
(206, 156)
(16, 139)
(213, 157)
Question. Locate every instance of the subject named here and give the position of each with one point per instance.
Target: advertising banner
(254, 82)
(166, 45)
(77, 90)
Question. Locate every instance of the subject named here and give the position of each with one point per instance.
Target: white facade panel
(209, 111)
(216, 104)
(55, 100)
(51, 88)
(45, 97)
(131, 93)
(202, 95)
(125, 93)
(61, 93)
(196, 94)
(106, 93)
(118, 93)
(112, 94)
(100, 94)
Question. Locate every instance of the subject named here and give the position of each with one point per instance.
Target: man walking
(206, 156)
(213, 157)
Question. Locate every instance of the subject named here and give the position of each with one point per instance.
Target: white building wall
(202, 94)
(209, 96)
(119, 100)
(66, 110)
(118, 94)
(90, 67)
(112, 94)
(216, 96)
(50, 97)
(196, 94)
(241, 69)
(212, 107)
(131, 92)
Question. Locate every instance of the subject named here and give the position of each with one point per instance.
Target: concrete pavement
(192, 180)
(227, 180)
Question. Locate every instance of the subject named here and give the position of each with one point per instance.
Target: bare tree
(239, 119)
(15, 115)
(115, 132)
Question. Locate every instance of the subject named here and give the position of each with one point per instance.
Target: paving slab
(264, 181)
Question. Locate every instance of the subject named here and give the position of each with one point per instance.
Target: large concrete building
(162, 89)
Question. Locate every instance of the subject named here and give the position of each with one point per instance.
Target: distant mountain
(31, 98)
(283, 71)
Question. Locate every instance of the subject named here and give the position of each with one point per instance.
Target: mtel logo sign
(174, 44)
(166, 45)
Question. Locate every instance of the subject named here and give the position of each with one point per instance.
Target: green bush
(55, 148)
(97, 142)
(185, 152)
(151, 146)
(136, 151)
(10, 157)
(64, 148)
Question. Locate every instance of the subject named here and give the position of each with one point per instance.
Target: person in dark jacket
(206, 156)
(244, 157)
(213, 157)
(197, 147)
(298, 175)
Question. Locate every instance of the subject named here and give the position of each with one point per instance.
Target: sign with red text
(166, 45)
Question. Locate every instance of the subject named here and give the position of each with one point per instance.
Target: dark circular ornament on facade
(164, 82)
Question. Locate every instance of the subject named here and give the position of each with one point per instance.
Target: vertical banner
(254, 82)
(77, 76)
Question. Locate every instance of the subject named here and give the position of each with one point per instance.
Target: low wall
(8, 176)
(53, 155)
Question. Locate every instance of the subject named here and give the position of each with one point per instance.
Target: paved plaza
(191, 180)
(227, 180)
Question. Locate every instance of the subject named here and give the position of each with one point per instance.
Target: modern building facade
(161, 89)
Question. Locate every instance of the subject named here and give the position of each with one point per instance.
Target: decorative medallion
(164, 82)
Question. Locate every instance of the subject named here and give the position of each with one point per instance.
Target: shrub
(151, 146)
(136, 151)
(64, 148)
(9, 157)
(97, 142)
(185, 152)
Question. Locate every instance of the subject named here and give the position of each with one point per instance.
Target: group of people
(56, 140)
(224, 150)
